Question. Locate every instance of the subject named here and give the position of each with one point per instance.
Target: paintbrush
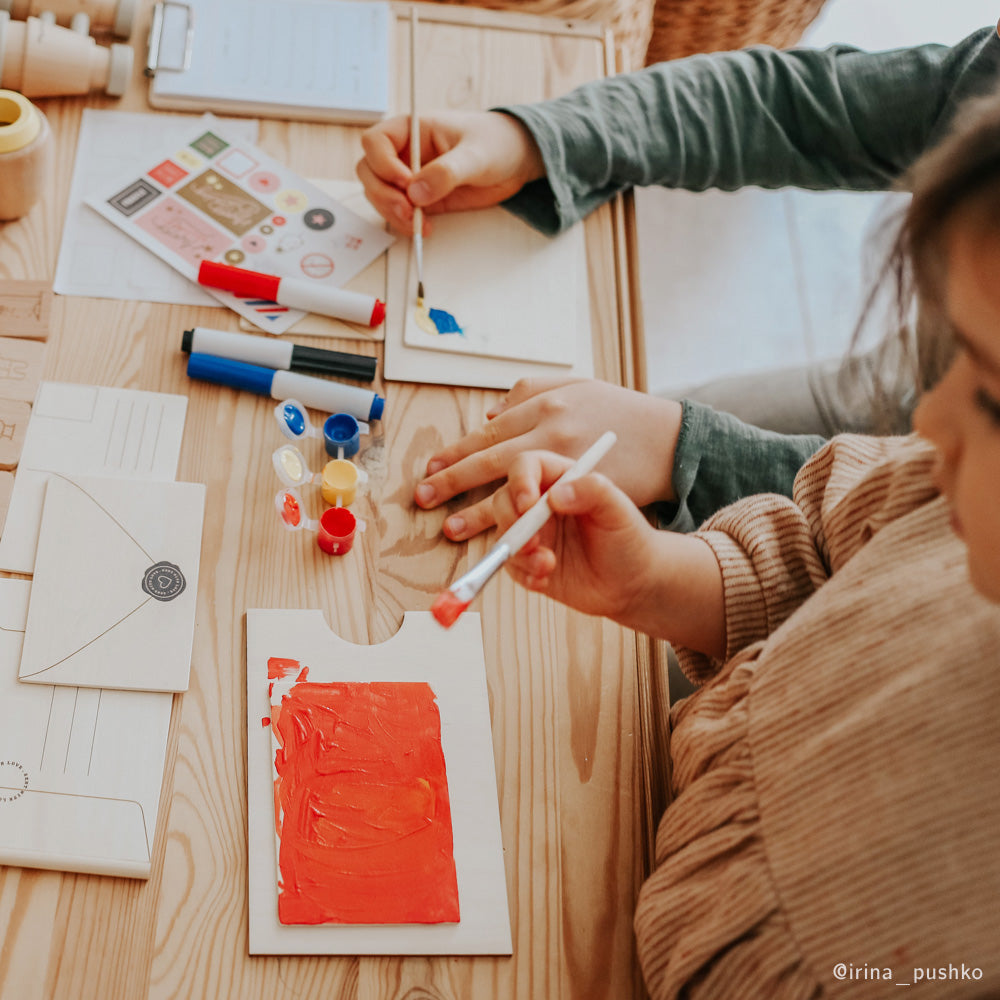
(453, 601)
(418, 213)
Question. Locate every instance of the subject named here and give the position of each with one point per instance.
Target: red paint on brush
(447, 608)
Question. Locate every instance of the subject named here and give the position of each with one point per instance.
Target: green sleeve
(720, 459)
(823, 119)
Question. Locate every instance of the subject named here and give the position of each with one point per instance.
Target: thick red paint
(362, 806)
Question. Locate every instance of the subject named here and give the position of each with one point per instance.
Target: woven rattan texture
(684, 27)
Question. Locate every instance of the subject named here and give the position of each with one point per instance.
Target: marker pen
(274, 353)
(319, 393)
(292, 292)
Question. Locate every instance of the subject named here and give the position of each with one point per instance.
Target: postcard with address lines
(80, 768)
(87, 430)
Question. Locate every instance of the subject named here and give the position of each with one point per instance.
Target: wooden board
(452, 663)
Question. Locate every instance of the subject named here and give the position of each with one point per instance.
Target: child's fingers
(597, 498)
(383, 145)
(533, 570)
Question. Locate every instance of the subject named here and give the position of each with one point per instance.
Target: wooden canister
(25, 154)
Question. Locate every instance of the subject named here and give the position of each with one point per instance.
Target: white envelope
(80, 769)
(116, 583)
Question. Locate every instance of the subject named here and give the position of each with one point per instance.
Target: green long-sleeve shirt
(821, 119)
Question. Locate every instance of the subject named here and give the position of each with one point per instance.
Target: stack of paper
(93, 647)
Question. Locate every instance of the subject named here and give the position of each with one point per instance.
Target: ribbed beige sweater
(837, 781)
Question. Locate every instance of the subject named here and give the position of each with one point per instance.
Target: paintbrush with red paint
(453, 601)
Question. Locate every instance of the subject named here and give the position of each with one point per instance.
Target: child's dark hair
(960, 175)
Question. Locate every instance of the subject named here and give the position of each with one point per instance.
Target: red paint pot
(336, 531)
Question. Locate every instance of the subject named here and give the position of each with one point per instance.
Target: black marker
(272, 353)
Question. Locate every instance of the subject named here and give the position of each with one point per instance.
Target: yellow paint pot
(340, 482)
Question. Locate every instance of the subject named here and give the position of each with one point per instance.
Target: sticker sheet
(215, 196)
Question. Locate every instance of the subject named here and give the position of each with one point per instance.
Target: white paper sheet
(97, 260)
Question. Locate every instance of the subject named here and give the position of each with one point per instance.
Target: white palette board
(452, 663)
(87, 430)
(406, 363)
(513, 291)
(98, 260)
(116, 584)
(80, 769)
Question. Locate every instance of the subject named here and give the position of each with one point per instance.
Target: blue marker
(319, 393)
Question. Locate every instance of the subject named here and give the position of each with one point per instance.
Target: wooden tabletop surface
(564, 689)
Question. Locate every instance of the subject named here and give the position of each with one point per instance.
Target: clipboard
(310, 60)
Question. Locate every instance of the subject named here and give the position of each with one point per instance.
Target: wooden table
(563, 688)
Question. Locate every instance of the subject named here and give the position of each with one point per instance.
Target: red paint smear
(278, 668)
(362, 804)
(265, 721)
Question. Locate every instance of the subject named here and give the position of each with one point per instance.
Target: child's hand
(468, 160)
(566, 416)
(594, 554)
(598, 554)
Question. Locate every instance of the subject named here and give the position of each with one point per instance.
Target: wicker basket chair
(684, 27)
(649, 31)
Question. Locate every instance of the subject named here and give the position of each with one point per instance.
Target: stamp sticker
(137, 195)
(225, 202)
(183, 232)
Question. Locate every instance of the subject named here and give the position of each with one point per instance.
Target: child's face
(961, 415)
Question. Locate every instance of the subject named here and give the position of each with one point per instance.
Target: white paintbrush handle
(531, 521)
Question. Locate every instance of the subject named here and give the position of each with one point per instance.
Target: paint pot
(114, 16)
(342, 435)
(42, 59)
(340, 482)
(291, 468)
(25, 154)
(336, 532)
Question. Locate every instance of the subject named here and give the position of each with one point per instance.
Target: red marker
(306, 295)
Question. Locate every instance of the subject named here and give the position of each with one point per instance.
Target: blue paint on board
(444, 321)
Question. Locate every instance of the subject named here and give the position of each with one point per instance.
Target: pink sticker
(183, 232)
(278, 220)
(264, 181)
(316, 265)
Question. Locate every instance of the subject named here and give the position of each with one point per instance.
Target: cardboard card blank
(80, 769)
(88, 430)
(452, 664)
(513, 291)
(405, 363)
(116, 583)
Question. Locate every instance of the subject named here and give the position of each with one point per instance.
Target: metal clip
(153, 62)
